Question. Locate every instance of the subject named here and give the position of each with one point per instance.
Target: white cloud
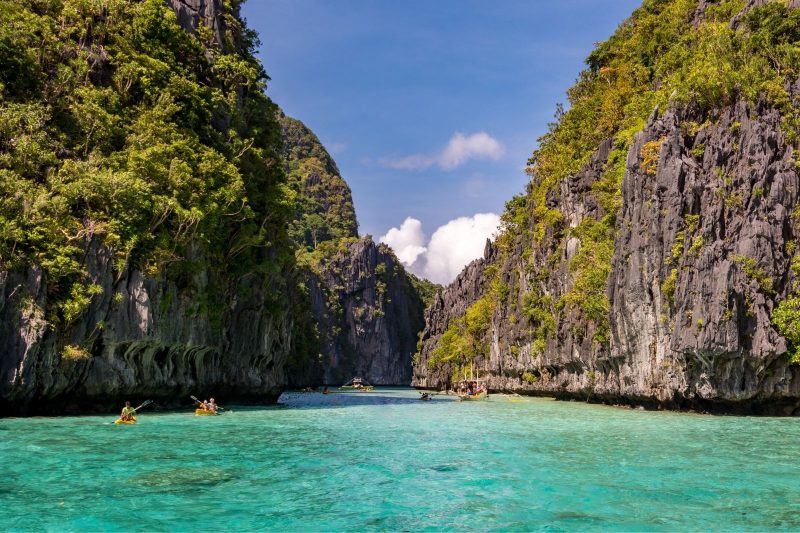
(456, 244)
(451, 247)
(458, 151)
(408, 241)
(461, 149)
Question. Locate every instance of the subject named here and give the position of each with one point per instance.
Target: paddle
(144, 404)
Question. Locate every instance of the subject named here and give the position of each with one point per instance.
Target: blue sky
(387, 84)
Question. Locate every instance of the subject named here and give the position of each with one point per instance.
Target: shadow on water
(184, 480)
(341, 399)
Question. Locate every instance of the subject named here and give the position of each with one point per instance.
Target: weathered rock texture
(368, 315)
(449, 303)
(192, 13)
(158, 338)
(716, 217)
(703, 245)
(198, 329)
(710, 338)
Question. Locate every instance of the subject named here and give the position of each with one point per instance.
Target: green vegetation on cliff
(322, 199)
(118, 126)
(425, 289)
(683, 53)
(667, 53)
(465, 338)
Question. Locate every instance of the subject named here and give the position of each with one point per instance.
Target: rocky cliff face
(449, 303)
(368, 315)
(701, 258)
(365, 311)
(703, 240)
(209, 13)
(196, 307)
(144, 337)
(696, 278)
(145, 328)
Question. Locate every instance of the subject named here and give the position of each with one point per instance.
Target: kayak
(205, 412)
(121, 422)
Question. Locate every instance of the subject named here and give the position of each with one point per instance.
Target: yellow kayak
(204, 412)
(121, 422)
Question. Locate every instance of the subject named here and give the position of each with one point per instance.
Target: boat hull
(474, 397)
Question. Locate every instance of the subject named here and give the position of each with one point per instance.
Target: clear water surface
(386, 461)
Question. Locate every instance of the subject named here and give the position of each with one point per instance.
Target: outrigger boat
(358, 384)
(472, 389)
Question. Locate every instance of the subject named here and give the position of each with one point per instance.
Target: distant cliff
(368, 314)
(365, 310)
(323, 204)
(653, 258)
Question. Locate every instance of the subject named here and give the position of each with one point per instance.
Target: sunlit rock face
(703, 245)
(366, 312)
(706, 343)
(162, 335)
(192, 13)
(202, 329)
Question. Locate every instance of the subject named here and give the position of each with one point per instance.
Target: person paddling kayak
(128, 412)
(211, 405)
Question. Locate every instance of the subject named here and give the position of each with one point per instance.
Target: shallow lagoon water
(386, 461)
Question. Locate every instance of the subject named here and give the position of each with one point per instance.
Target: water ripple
(386, 461)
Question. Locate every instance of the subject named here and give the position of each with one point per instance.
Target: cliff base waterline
(699, 406)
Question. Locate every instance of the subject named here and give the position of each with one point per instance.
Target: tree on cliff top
(323, 202)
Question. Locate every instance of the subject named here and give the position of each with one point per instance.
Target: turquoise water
(386, 461)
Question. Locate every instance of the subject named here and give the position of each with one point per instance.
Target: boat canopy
(357, 382)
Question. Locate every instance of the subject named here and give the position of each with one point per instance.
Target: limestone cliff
(148, 247)
(368, 314)
(651, 273)
(324, 203)
(144, 336)
(365, 311)
(194, 14)
(147, 252)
